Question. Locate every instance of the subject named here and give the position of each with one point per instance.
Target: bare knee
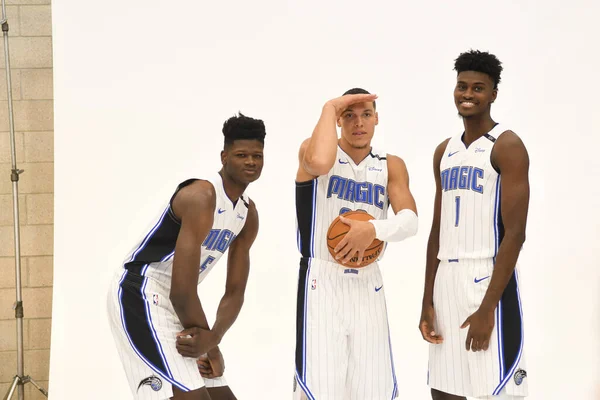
(198, 394)
(437, 395)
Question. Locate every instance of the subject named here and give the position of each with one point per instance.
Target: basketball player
(158, 323)
(342, 343)
(471, 307)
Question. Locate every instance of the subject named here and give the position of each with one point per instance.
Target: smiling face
(358, 124)
(243, 160)
(474, 94)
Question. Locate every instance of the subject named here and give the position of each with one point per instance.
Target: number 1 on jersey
(457, 210)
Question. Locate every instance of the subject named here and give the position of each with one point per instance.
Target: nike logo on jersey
(377, 289)
(482, 279)
(451, 154)
(221, 211)
(343, 162)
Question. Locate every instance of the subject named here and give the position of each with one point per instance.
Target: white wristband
(401, 226)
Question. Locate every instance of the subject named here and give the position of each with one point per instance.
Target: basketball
(337, 230)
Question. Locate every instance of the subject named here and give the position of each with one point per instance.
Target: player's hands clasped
(426, 325)
(481, 324)
(194, 342)
(358, 238)
(211, 365)
(340, 104)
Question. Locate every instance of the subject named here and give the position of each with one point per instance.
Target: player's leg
(218, 389)
(221, 393)
(198, 394)
(437, 395)
(502, 396)
(501, 368)
(448, 374)
(321, 338)
(371, 373)
(144, 327)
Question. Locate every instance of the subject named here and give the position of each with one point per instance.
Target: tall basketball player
(342, 342)
(471, 311)
(161, 332)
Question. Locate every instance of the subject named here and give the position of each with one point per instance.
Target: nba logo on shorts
(155, 299)
(313, 286)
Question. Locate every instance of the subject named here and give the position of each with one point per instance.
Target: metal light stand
(20, 379)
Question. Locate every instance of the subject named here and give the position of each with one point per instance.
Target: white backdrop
(142, 88)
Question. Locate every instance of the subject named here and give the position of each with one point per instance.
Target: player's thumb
(466, 323)
(345, 220)
(189, 331)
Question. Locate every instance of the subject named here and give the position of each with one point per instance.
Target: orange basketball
(337, 230)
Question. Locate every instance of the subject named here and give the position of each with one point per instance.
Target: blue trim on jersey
(298, 239)
(148, 363)
(151, 324)
(304, 387)
(392, 360)
(497, 217)
(149, 235)
(305, 312)
(314, 218)
(516, 363)
(500, 344)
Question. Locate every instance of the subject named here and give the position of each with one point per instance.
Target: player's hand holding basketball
(211, 365)
(194, 342)
(358, 238)
(481, 324)
(340, 104)
(426, 325)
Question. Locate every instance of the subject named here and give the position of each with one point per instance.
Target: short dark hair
(241, 127)
(479, 61)
(359, 91)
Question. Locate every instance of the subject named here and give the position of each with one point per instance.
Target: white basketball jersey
(471, 223)
(347, 187)
(153, 255)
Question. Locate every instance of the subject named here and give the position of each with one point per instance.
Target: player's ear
(376, 118)
(494, 95)
(339, 122)
(223, 157)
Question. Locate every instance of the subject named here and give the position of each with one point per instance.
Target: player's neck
(233, 190)
(356, 154)
(476, 127)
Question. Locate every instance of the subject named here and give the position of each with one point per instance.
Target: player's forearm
(322, 147)
(188, 308)
(433, 246)
(508, 253)
(227, 313)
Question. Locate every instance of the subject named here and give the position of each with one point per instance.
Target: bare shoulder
(199, 195)
(252, 211)
(439, 150)
(395, 163)
(509, 140)
(509, 152)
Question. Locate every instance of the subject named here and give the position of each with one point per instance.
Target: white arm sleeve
(401, 226)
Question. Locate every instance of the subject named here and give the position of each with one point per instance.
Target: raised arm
(317, 153)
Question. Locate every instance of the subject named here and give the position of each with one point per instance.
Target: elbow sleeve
(399, 227)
